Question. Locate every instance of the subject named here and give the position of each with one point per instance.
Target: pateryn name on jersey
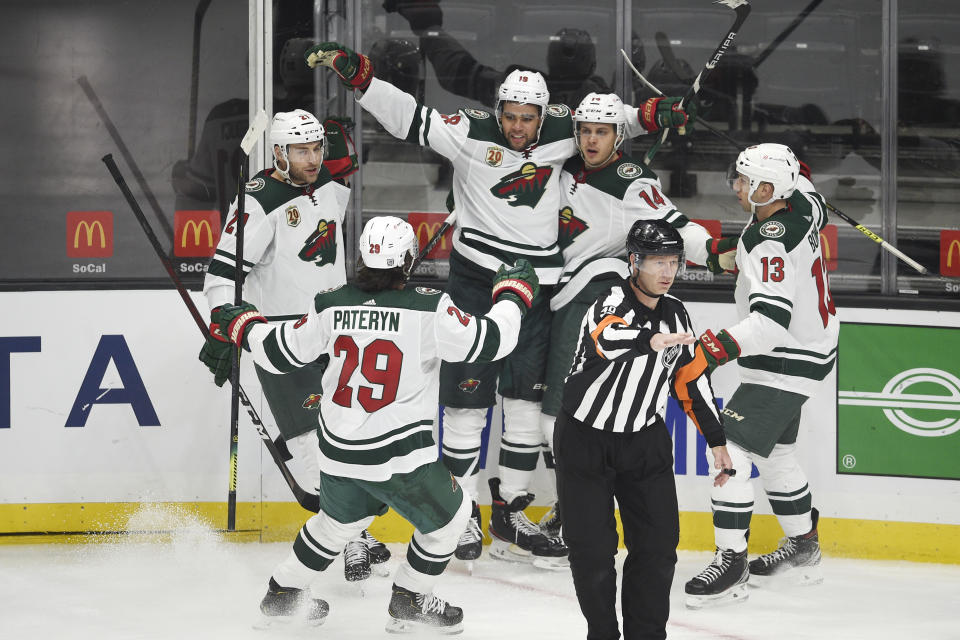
(366, 320)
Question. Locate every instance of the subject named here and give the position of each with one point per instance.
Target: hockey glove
(218, 356)
(518, 283)
(721, 255)
(805, 170)
(718, 348)
(421, 14)
(341, 160)
(657, 113)
(355, 69)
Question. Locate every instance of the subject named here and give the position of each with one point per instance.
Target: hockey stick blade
(256, 129)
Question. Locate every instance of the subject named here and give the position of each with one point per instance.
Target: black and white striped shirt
(618, 383)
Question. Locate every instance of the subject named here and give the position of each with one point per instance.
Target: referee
(611, 441)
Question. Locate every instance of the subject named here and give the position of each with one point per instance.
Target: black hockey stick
(448, 222)
(257, 127)
(840, 214)
(307, 500)
(742, 9)
(785, 33)
(125, 152)
(202, 7)
(698, 120)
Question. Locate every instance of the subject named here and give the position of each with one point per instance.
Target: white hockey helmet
(293, 127)
(524, 87)
(385, 243)
(769, 162)
(605, 108)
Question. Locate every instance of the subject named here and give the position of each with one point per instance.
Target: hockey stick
(257, 127)
(202, 7)
(125, 152)
(308, 501)
(742, 9)
(785, 33)
(856, 225)
(699, 121)
(448, 222)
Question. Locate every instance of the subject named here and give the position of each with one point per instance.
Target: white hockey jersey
(382, 384)
(788, 328)
(292, 245)
(597, 210)
(506, 201)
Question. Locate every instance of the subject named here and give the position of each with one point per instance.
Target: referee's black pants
(593, 468)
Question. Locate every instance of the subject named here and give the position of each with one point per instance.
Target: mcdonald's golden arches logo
(950, 252)
(89, 234)
(427, 224)
(195, 233)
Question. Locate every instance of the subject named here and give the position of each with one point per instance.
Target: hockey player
(611, 441)
(506, 193)
(786, 343)
(376, 422)
(293, 247)
(603, 192)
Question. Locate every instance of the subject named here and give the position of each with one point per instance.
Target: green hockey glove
(518, 283)
(722, 255)
(657, 113)
(341, 154)
(718, 348)
(355, 69)
(218, 356)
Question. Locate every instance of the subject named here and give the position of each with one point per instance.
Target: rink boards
(105, 408)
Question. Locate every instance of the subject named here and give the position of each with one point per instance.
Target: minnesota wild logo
(321, 247)
(525, 187)
(570, 227)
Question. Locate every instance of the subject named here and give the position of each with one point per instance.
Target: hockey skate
(412, 612)
(797, 559)
(724, 581)
(285, 605)
(516, 539)
(356, 561)
(471, 542)
(378, 551)
(551, 523)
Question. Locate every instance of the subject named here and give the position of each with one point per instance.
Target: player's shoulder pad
(787, 227)
(557, 124)
(483, 125)
(619, 176)
(414, 298)
(339, 296)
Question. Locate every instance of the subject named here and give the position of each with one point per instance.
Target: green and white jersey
(597, 210)
(382, 384)
(506, 201)
(292, 245)
(788, 328)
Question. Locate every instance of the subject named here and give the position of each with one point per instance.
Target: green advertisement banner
(898, 401)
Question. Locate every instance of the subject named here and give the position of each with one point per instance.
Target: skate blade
(509, 552)
(409, 626)
(551, 563)
(794, 576)
(265, 622)
(733, 595)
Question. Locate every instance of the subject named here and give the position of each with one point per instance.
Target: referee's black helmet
(654, 237)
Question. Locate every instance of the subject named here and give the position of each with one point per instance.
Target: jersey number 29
(380, 364)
